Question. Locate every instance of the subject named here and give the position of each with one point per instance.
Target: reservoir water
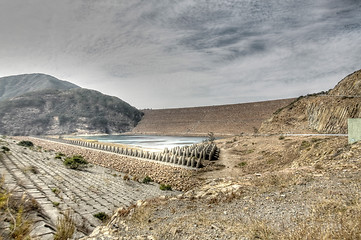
(147, 141)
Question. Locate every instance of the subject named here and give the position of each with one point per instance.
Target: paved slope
(85, 193)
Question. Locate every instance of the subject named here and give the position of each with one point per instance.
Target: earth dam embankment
(222, 120)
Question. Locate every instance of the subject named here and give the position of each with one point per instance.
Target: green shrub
(56, 191)
(242, 164)
(75, 162)
(60, 155)
(5, 149)
(165, 187)
(102, 216)
(147, 179)
(305, 145)
(26, 143)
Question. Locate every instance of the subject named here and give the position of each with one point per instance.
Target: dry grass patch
(65, 226)
(16, 212)
(330, 219)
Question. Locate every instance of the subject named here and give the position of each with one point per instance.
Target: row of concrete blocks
(203, 151)
(189, 161)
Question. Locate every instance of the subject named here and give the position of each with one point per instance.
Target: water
(147, 141)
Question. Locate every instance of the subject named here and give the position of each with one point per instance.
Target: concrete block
(354, 130)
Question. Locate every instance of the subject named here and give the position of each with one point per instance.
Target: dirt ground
(271, 187)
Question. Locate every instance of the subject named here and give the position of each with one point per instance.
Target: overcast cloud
(157, 53)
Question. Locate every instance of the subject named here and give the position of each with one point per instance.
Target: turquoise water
(147, 141)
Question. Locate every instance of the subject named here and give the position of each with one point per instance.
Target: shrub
(165, 187)
(126, 178)
(305, 145)
(59, 155)
(75, 162)
(5, 149)
(56, 191)
(147, 180)
(33, 169)
(242, 164)
(102, 216)
(26, 143)
(17, 212)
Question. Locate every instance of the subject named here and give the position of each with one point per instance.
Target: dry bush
(124, 212)
(65, 227)
(17, 210)
(21, 225)
(331, 219)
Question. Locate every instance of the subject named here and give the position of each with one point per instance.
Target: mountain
(75, 110)
(326, 112)
(13, 86)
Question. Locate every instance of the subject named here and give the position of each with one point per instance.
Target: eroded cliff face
(320, 113)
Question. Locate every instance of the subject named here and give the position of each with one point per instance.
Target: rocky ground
(269, 188)
(262, 187)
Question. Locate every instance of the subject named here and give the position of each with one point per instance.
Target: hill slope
(222, 120)
(13, 86)
(320, 113)
(66, 111)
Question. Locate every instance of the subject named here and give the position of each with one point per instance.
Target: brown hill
(222, 120)
(320, 113)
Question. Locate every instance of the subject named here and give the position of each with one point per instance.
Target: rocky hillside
(66, 111)
(14, 86)
(231, 119)
(320, 113)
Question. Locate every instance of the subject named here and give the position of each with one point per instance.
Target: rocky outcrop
(320, 113)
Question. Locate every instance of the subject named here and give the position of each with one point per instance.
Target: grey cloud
(187, 52)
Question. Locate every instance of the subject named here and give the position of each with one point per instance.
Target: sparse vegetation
(55, 204)
(102, 216)
(25, 143)
(147, 180)
(56, 191)
(59, 155)
(5, 149)
(165, 187)
(32, 169)
(65, 227)
(75, 162)
(305, 145)
(242, 164)
(16, 211)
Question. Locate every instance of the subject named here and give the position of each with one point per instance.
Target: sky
(167, 54)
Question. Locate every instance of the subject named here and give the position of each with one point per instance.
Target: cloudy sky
(160, 54)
